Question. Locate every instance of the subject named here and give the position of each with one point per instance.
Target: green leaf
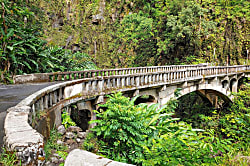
(27, 65)
(31, 46)
(10, 33)
(10, 48)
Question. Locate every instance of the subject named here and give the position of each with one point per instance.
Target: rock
(54, 160)
(69, 135)
(61, 160)
(59, 142)
(78, 140)
(70, 142)
(74, 129)
(79, 157)
(61, 129)
(81, 135)
(56, 155)
(48, 163)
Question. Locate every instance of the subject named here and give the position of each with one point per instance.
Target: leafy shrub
(146, 135)
(66, 120)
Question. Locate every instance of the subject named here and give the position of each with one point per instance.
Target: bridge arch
(203, 89)
(149, 99)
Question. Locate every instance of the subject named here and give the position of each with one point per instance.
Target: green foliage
(146, 135)
(23, 51)
(134, 31)
(66, 120)
(235, 123)
(9, 159)
(56, 59)
(128, 33)
(51, 145)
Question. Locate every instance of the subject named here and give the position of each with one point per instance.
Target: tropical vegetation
(146, 135)
(46, 36)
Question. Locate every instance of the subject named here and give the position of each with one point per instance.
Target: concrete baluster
(113, 83)
(33, 110)
(108, 83)
(94, 85)
(54, 97)
(150, 78)
(100, 85)
(46, 102)
(118, 82)
(123, 81)
(60, 94)
(41, 106)
(146, 79)
(141, 80)
(137, 81)
(53, 78)
(157, 78)
(50, 99)
(59, 77)
(70, 76)
(37, 105)
(160, 77)
(165, 77)
(127, 79)
(88, 86)
(132, 81)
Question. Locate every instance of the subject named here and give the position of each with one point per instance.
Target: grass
(8, 159)
(51, 145)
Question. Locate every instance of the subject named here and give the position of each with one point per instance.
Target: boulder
(79, 157)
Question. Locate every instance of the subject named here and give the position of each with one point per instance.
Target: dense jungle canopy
(49, 35)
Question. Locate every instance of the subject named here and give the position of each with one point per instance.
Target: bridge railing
(73, 75)
(115, 82)
(57, 96)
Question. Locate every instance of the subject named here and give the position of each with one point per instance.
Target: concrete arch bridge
(90, 87)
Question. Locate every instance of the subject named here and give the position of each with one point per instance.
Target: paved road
(10, 95)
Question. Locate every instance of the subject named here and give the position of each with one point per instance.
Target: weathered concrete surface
(10, 95)
(22, 138)
(79, 157)
(31, 78)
